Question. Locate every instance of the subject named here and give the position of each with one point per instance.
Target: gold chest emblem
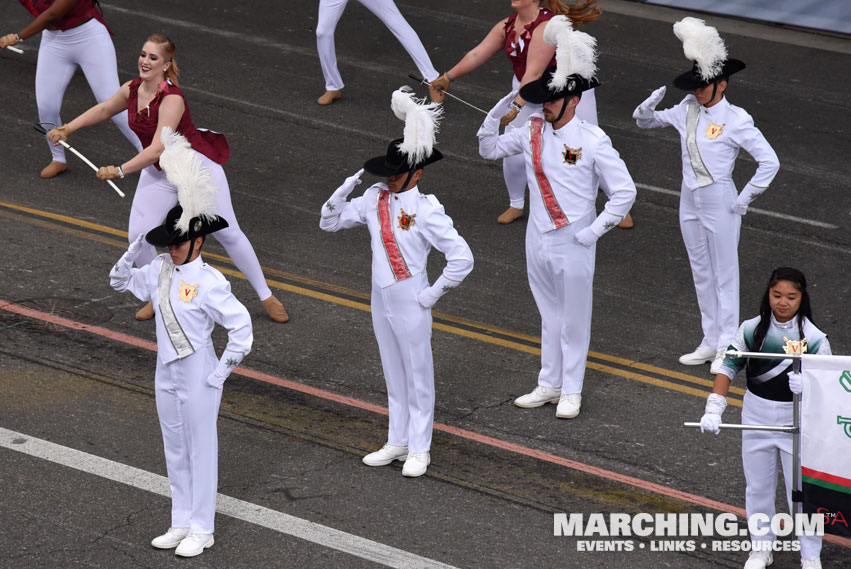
(406, 220)
(187, 292)
(571, 155)
(713, 131)
(795, 346)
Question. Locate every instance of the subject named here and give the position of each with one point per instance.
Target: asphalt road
(76, 369)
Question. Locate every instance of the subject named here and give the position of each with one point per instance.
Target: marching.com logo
(684, 526)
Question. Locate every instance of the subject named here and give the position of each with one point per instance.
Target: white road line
(239, 509)
(774, 214)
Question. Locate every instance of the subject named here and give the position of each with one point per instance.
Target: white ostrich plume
(576, 52)
(196, 190)
(422, 122)
(702, 44)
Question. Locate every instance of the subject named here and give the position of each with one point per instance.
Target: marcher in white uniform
(521, 36)
(73, 34)
(190, 297)
(711, 133)
(386, 10)
(403, 225)
(565, 159)
(785, 316)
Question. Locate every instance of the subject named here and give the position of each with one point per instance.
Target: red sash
(553, 209)
(394, 255)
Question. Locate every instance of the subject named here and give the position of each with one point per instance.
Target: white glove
(228, 361)
(430, 295)
(645, 109)
(739, 207)
(711, 420)
(125, 263)
(490, 126)
(796, 382)
(749, 193)
(338, 198)
(599, 227)
(586, 237)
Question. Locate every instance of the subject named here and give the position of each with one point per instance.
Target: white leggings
(386, 10)
(89, 47)
(514, 167)
(155, 196)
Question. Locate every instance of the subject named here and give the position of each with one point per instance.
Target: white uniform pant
(403, 330)
(60, 53)
(188, 409)
(760, 453)
(561, 276)
(711, 235)
(514, 167)
(386, 10)
(155, 196)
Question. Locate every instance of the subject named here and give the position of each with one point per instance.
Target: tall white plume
(701, 43)
(422, 122)
(196, 189)
(576, 52)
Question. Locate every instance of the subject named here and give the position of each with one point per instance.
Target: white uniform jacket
(418, 223)
(199, 297)
(711, 144)
(576, 159)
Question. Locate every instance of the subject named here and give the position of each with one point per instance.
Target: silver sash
(172, 326)
(773, 372)
(704, 178)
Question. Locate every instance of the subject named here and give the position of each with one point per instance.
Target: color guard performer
(189, 297)
(73, 34)
(565, 160)
(404, 225)
(386, 10)
(155, 101)
(711, 133)
(785, 319)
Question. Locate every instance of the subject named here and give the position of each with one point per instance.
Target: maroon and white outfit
(563, 169)
(79, 39)
(155, 195)
(403, 227)
(517, 49)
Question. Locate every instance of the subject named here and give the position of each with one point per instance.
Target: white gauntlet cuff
(715, 404)
(605, 222)
(229, 360)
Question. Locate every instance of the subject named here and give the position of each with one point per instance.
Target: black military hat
(169, 234)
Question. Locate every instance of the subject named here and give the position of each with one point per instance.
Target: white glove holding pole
(429, 296)
(228, 361)
(490, 126)
(599, 227)
(796, 382)
(125, 263)
(711, 420)
(337, 200)
(645, 109)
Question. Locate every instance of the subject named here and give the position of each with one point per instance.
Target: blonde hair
(579, 13)
(172, 73)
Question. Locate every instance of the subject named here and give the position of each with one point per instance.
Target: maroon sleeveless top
(517, 54)
(80, 13)
(143, 122)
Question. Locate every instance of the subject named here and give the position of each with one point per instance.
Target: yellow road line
(364, 306)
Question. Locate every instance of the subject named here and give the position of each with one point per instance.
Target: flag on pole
(826, 441)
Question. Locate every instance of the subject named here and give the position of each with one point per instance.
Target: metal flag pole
(794, 428)
(460, 100)
(42, 130)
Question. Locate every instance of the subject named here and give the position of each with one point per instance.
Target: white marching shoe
(699, 356)
(171, 538)
(416, 464)
(811, 563)
(759, 559)
(715, 368)
(540, 396)
(568, 405)
(194, 544)
(386, 455)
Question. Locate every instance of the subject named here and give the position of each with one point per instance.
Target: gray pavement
(252, 73)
